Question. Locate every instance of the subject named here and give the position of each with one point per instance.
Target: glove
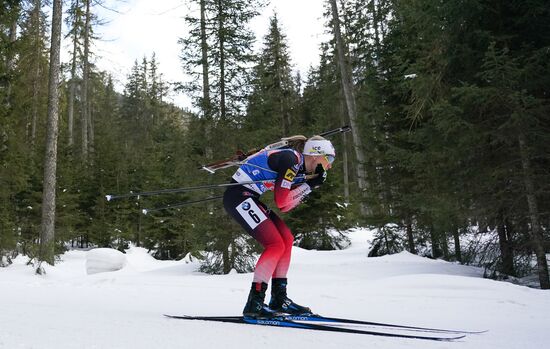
(297, 195)
(316, 182)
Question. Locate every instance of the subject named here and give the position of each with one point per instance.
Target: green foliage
(444, 92)
(272, 102)
(228, 40)
(455, 91)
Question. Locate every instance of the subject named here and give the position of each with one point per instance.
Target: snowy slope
(123, 309)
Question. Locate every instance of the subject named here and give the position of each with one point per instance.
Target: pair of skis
(340, 325)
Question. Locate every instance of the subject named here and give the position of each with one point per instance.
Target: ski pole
(147, 210)
(180, 190)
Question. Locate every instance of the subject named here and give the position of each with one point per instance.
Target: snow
(101, 260)
(67, 308)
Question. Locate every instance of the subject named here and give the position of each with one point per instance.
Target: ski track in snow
(67, 308)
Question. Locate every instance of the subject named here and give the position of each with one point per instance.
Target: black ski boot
(255, 306)
(281, 303)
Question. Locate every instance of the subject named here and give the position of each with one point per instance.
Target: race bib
(252, 214)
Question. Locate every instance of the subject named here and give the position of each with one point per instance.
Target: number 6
(254, 216)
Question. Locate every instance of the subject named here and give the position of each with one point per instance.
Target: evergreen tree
(219, 47)
(457, 147)
(274, 95)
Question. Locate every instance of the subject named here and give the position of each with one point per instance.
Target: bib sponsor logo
(286, 184)
(289, 175)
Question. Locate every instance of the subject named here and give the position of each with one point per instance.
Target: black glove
(316, 182)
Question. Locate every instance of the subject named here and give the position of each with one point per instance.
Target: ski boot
(281, 303)
(255, 307)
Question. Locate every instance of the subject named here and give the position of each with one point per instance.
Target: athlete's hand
(321, 177)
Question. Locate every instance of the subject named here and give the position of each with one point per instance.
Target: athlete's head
(318, 150)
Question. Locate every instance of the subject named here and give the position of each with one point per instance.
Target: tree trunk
(375, 24)
(410, 236)
(458, 250)
(206, 103)
(347, 87)
(72, 84)
(84, 90)
(36, 78)
(436, 251)
(344, 152)
(226, 259)
(47, 233)
(444, 245)
(91, 135)
(506, 252)
(538, 238)
(221, 39)
(139, 225)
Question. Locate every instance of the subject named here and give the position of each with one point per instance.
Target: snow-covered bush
(100, 260)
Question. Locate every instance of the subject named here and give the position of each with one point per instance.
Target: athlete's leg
(279, 299)
(288, 239)
(247, 210)
(250, 213)
(274, 248)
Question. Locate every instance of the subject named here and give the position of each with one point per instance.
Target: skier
(284, 172)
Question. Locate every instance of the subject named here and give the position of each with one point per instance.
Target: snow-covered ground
(67, 308)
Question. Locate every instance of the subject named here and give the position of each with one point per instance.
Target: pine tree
(272, 101)
(219, 47)
(460, 144)
(228, 55)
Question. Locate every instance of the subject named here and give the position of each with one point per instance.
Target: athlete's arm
(286, 165)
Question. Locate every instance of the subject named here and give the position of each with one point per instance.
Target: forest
(449, 153)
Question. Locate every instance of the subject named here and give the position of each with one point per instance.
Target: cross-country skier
(284, 171)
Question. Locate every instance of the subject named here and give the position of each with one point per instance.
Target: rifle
(296, 142)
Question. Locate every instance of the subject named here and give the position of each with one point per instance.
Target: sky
(137, 28)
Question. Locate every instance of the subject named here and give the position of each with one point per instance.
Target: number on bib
(252, 214)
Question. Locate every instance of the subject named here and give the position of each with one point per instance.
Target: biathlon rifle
(297, 142)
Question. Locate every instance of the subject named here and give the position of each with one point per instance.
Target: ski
(286, 323)
(319, 318)
(334, 321)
